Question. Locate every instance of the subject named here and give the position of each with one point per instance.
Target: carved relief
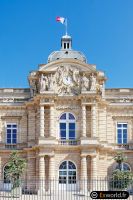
(69, 80)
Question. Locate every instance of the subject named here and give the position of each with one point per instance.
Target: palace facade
(66, 124)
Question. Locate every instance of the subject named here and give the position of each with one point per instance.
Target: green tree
(120, 179)
(120, 158)
(15, 168)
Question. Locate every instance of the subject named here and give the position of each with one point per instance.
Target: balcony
(17, 146)
(68, 142)
(128, 146)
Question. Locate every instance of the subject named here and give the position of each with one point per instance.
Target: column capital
(83, 155)
(93, 155)
(51, 155)
(40, 155)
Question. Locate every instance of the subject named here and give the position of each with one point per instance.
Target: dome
(66, 51)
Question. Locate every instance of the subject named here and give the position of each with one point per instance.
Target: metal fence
(60, 190)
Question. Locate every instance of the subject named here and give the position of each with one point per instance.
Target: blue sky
(101, 29)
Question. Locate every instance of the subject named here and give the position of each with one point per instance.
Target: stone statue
(51, 82)
(93, 83)
(58, 76)
(33, 87)
(85, 83)
(44, 84)
(99, 89)
(76, 77)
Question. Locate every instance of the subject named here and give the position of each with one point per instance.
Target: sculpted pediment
(52, 67)
(66, 78)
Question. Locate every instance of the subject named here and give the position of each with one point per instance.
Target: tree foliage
(15, 168)
(120, 158)
(120, 179)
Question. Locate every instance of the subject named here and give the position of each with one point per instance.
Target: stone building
(66, 124)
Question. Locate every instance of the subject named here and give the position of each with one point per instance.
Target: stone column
(1, 175)
(42, 134)
(93, 121)
(52, 167)
(94, 172)
(52, 181)
(83, 121)
(42, 173)
(52, 128)
(83, 180)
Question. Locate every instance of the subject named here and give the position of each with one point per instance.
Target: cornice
(67, 61)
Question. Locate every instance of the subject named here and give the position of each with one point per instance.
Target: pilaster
(52, 121)
(42, 134)
(41, 168)
(83, 121)
(83, 174)
(1, 169)
(52, 167)
(94, 172)
(93, 121)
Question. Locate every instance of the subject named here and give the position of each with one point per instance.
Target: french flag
(60, 19)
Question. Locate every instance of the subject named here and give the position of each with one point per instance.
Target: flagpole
(66, 26)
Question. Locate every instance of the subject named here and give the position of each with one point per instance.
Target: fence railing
(56, 190)
(68, 142)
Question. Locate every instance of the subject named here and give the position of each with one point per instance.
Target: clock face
(67, 80)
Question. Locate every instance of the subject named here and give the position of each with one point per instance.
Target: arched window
(124, 167)
(67, 126)
(67, 173)
(6, 180)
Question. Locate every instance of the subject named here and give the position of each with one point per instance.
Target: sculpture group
(66, 80)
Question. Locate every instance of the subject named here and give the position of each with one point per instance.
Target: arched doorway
(67, 175)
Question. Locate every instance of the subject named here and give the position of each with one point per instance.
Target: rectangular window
(11, 133)
(122, 133)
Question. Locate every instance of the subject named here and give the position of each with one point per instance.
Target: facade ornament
(44, 83)
(125, 100)
(76, 77)
(67, 80)
(100, 89)
(67, 107)
(50, 82)
(8, 100)
(33, 87)
(93, 83)
(85, 83)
